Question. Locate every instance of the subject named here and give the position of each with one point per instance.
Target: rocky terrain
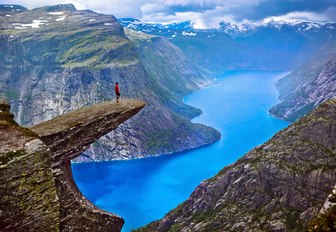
(278, 186)
(56, 59)
(36, 185)
(326, 219)
(307, 87)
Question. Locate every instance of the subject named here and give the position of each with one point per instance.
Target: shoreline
(209, 84)
(279, 101)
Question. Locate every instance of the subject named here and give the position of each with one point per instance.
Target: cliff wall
(36, 185)
(307, 87)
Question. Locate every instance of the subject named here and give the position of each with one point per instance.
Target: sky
(204, 13)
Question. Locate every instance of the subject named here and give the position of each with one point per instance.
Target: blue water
(145, 190)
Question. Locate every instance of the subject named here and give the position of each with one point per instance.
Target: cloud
(173, 7)
(302, 16)
(208, 14)
(204, 13)
(281, 7)
(202, 20)
(330, 13)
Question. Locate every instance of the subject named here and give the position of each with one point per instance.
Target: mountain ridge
(279, 45)
(232, 29)
(70, 59)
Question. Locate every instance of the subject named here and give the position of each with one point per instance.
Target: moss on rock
(5, 158)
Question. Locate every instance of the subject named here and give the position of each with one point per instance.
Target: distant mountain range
(268, 45)
(232, 29)
(55, 59)
(306, 48)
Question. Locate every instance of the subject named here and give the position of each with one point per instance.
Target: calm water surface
(145, 190)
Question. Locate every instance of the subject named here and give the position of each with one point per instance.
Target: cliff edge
(36, 186)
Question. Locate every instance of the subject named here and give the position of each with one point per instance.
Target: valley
(235, 130)
(236, 105)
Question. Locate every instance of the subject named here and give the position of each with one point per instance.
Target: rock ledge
(36, 185)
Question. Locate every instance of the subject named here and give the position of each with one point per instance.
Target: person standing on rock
(117, 91)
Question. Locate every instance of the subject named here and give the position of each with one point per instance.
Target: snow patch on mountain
(184, 33)
(60, 18)
(56, 13)
(233, 29)
(35, 24)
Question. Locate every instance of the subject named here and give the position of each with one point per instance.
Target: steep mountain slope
(266, 45)
(278, 186)
(163, 60)
(305, 88)
(56, 59)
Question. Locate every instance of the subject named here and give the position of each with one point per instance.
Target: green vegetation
(203, 216)
(159, 140)
(148, 228)
(5, 158)
(7, 120)
(12, 94)
(94, 50)
(76, 47)
(164, 141)
(170, 98)
(163, 68)
(293, 221)
(137, 36)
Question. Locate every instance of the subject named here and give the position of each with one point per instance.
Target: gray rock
(278, 186)
(306, 88)
(37, 190)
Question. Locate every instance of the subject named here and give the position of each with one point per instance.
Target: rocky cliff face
(278, 186)
(326, 220)
(307, 87)
(21, 186)
(56, 59)
(36, 185)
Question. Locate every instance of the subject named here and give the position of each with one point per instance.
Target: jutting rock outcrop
(56, 59)
(36, 186)
(278, 186)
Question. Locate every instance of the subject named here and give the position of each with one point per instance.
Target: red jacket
(116, 89)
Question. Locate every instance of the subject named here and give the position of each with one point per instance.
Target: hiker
(117, 91)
